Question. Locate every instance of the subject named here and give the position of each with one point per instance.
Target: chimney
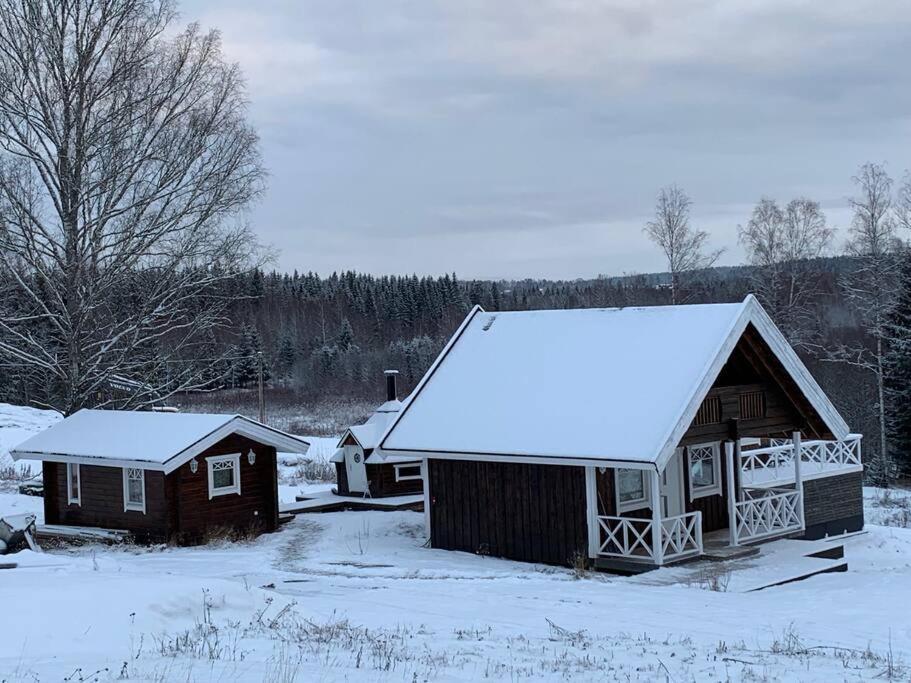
(391, 393)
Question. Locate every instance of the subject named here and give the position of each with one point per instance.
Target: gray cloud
(517, 138)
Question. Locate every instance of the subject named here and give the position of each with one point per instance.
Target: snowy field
(354, 596)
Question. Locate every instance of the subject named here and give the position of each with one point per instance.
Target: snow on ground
(354, 596)
(17, 423)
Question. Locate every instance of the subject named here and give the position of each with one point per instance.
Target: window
(632, 490)
(407, 472)
(224, 475)
(705, 470)
(709, 412)
(73, 486)
(134, 490)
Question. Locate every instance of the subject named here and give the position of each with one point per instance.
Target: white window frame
(71, 468)
(211, 461)
(413, 477)
(127, 503)
(704, 491)
(638, 503)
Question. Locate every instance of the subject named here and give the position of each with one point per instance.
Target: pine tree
(897, 371)
(345, 339)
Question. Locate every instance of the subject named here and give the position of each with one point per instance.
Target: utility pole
(262, 399)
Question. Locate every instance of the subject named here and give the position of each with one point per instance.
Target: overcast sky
(526, 138)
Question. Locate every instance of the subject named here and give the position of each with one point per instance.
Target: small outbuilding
(362, 471)
(164, 477)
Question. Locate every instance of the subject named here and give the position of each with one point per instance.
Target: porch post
(657, 535)
(591, 509)
(798, 475)
(732, 493)
(425, 476)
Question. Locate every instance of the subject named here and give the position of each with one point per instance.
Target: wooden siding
(177, 505)
(383, 483)
(341, 477)
(101, 494)
(531, 513)
(254, 509)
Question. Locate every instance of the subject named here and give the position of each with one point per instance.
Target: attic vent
(489, 323)
(752, 405)
(709, 412)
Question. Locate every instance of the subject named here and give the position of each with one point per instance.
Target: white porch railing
(767, 512)
(632, 538)
(775, 464)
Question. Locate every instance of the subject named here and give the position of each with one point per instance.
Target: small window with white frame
(408, 471)
(704, 462)
(632, 490)
(134, 489)
(224, 475)
(73, 484)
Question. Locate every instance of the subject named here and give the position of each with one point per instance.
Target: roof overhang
(751, 312)
(243, 426)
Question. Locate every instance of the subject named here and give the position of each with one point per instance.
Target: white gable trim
(752, 312)
(348, 432)
(427, 375)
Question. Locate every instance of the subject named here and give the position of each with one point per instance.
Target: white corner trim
(705, 491)
(638, 503)
(408, 477)
(71, 468)
(214, 462)
(127, 503)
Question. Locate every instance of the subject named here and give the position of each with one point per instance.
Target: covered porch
(643, 518)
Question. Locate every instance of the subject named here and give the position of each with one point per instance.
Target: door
(672, 486)
(355, 469)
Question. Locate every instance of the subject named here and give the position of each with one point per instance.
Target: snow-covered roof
(368, 434)
(155, 440)
(618, 384)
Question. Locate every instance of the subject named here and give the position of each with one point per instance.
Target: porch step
(616, 565)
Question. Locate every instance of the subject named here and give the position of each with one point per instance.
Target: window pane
(223, 478)
(702, 467)
(74, 481)
(135, 489)
(631, 485)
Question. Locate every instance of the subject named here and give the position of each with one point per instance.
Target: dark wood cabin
(216, 479)
(360, 471)
(556, 507)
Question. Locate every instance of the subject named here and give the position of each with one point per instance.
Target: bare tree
(782, 245)
(683, 246)
(871, 286)
(126, 162)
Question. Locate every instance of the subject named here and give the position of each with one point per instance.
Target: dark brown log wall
(254, 510)
(532, 513)
(341, 477)
(102, 502)
(383, 483)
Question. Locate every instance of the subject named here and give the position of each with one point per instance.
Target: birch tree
(871, 287)
(783, 245)
(126, 163)
(683, 246)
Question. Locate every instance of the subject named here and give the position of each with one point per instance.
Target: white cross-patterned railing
(767, 512)
(681, 536)
(631, 538)
(775, 464)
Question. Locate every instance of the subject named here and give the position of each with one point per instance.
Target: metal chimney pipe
(391, 393)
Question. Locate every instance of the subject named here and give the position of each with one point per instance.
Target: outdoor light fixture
(251, 457)
(194, 465)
